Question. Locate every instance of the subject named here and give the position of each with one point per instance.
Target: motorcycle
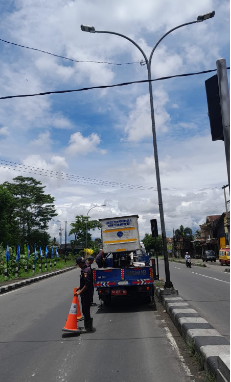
(188, 263)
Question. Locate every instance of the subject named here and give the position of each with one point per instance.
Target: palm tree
(184, 233)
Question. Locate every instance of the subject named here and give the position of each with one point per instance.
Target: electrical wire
(72, 178)
(71, 59)
(83, 180)
(110, 86)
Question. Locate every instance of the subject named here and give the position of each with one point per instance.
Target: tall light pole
(91, 29)
(102, 205)
(227, 217)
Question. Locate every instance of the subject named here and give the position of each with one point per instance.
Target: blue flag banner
(7, 253)
(52, 252)
(35, 253)
(41, 252)
(57, 255)
(46, 252)
(28, 251)
(18, 253)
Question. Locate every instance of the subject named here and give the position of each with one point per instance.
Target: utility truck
(126, 270)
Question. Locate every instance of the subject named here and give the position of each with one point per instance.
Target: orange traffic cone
(71, 323)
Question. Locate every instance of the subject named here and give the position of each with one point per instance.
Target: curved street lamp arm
(129, 39)
(91, 209)
(171, 30)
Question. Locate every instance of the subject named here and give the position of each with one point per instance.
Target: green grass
(159, 283)
(210, 377)
(60, 264)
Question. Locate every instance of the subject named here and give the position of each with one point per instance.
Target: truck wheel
(221, 263)
(107, 300)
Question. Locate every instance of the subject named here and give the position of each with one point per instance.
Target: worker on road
(89, 263)
(85, 292)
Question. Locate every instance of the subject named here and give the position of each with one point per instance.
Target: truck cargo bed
(111, 277)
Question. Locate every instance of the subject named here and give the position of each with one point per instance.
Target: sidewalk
(211, 348)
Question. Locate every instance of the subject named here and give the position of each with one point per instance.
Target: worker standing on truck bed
(85, 292)
(100, 258)
(89, 264)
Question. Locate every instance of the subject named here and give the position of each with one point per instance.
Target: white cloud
(138, 126)
(103, 152)
(4, 131)
(188, 125)
(185, 166)
(82, 145)
(43, 141)
(60, 122)
(57, 163)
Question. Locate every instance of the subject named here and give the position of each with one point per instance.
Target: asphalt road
(131, 342)
(206, 289)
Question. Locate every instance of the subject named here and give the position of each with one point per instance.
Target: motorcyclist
(187, 257)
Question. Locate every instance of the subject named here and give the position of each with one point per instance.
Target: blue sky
(106, 134)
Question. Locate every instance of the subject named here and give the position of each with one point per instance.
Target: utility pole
(173, 246)
(60, 235)
(227, 218)
(225, 108)
(65, 240)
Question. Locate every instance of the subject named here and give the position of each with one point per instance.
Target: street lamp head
(87, 28)
(206, 16)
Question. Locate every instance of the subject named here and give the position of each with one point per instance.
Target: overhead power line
(109, 86)
(71, 59)
(83, 180)
(72, 178)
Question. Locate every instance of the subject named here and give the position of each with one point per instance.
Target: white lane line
(209, 277)
(175, 347)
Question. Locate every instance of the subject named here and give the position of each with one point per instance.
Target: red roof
(211, 218)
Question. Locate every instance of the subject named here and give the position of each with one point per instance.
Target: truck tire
(107, 300)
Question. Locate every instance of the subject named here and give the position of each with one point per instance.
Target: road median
(210, 347)
(7, 286)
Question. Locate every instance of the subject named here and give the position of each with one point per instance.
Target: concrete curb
(19, 284)
(212, 347)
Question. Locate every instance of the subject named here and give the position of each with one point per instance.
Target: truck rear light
(122, 274)
(94, 275)
(104, 291)
(151, 273)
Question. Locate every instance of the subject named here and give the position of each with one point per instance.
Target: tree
(183, 233)
(9, 228)
(197, 234)
(33, 208)
(153, 243)
(79, 230)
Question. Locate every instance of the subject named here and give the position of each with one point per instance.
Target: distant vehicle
(224, 256)
(209, 255)
(188, 263)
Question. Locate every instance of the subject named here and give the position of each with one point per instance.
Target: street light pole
(91, 29)
(102, 205)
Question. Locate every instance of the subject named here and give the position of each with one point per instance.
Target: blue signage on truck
(119, 223)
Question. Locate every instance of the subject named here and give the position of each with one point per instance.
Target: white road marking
(175, 347)
(209, 277)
